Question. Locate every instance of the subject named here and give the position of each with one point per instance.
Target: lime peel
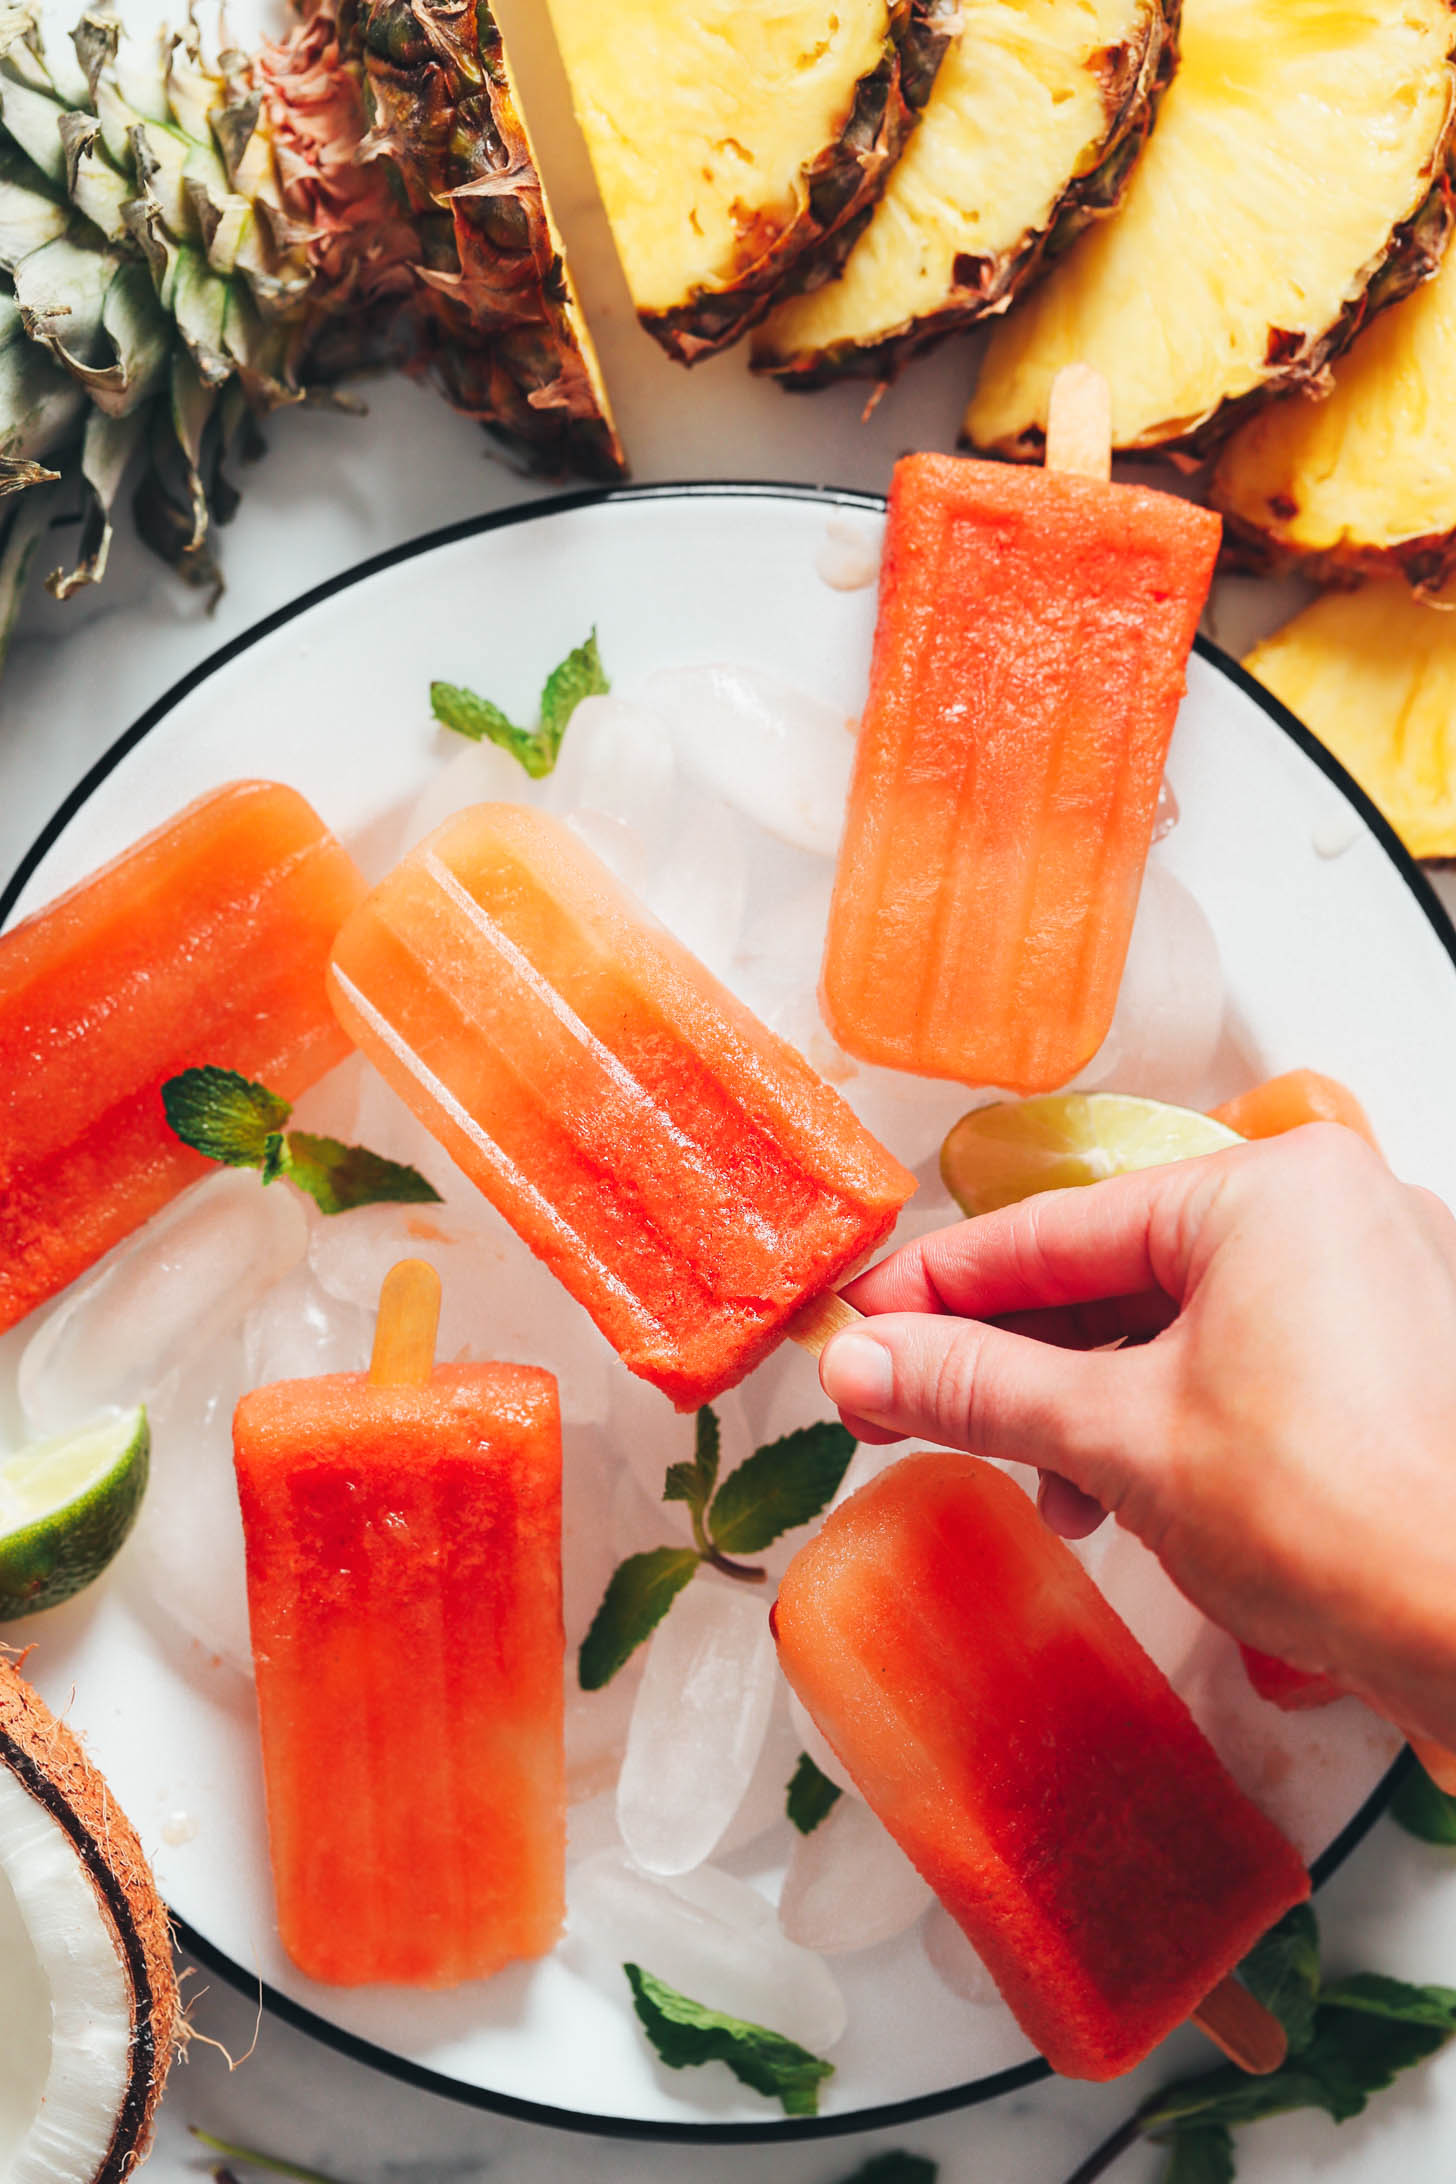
(66, 1505)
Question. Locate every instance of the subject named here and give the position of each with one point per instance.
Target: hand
(1280, 1429)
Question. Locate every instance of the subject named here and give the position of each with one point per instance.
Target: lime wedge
(999, 1154)
(65, 1508)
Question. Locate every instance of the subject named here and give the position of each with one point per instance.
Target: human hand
(1281, 1431)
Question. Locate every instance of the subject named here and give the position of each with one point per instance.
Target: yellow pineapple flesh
(1373, 673)
(1037, 112)
(1294, 183)
(1364, 479)
(733, 140)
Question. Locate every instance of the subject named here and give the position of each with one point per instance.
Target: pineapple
(1295, 184)
(186, 246)
(1373, 673)
(1362, 480)
(1037, 114)
(739, 145)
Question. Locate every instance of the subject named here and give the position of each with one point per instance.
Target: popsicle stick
(1238, 2022)
(1079, 423)
(404, 1332)
(1439, 1764)
(822, 1318)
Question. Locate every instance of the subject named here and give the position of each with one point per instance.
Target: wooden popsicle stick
(1238, 2023)
(822, 1318)
(404, 1332)
(1079, 423)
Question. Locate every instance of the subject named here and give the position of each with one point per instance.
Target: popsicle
(1029, 656)
(403, 1539)
(204, 942)
(1032, 1761)
(685, 1173)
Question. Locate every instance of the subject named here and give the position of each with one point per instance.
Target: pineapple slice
(739, 144)
(1373, 673)
(1037, 114)
(1363, 479)
(1295, 182)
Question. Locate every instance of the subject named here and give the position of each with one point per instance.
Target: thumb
(965, 1385)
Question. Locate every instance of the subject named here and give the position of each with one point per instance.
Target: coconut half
(88, 2001)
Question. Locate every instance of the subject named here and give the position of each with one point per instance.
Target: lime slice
(65, 1508)
(996, 1155)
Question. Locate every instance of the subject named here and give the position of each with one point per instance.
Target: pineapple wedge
(1036, 117)
(1362, 480)
(739, 145)
(1373, 673)
(1294, 184)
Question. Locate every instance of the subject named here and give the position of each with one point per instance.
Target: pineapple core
(1019, 111)
(1296, 137)
(700, 116)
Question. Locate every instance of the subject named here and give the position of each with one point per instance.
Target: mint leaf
(1379, 1996)
(579, 676)
(1351, 2054)
(686, 2033)
(811, 1795)
(1423, 1810)
(895, 2168)
(693, 1483)
(225, 1116)
(1200, 2153)
(339, 1177)
(1283, 1971)
(639, 1593)
(779, 1487)
(535, 749)
(271, 2162)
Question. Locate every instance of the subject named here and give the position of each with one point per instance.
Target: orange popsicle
(1029, 660)
(404, 1591)
(681, 1170)
(1023, 1750)
(1286, 1102)
(205, 942)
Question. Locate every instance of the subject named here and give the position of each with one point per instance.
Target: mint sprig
(578, 676)
(777, 1488)
(1423, 1810)
(811, 1796)
(686, 2033)
(274, 2164)
(1348, 2040)
(231, 1119)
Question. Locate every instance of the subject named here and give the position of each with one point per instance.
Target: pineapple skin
(1373, 674)
(778, 255)
(1134, 77)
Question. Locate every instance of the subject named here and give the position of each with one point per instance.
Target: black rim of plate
(293, 2013)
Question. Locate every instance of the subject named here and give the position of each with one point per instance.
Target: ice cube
(646, 1432)
(591, 1827)
(712, 1937)
(620, 848)
(1170, 1004)
(587, 1549)
(617, 762)
(782, 943)
(384, 1124)
(849, 1884)
(763, 1803)
(699, 886)
(185, 1559)
(818, 1747)
(698, 1725)
(117, 1336)
(954, 1960)
(596, 1732)
(297, 1330)
(472, 773)
(779, 755)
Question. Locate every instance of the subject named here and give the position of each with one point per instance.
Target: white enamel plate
(1334, 955)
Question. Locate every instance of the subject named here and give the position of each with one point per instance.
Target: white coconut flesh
(76, 2054)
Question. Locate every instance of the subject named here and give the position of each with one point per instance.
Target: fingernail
(857, 1374)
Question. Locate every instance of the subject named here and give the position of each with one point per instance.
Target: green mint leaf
(271, 2162)
(579, 676)
(225, 1116)
(686, 2033)
(1283, 1970)
(1200, 2153)
(639, 1593)
(1423, 1810)
(475, 717)
(1379, 1996)
(811, 1795)
(693, 1483)
(779, 1487)
(339, 1177)
(277, 1160)
(895, 2168)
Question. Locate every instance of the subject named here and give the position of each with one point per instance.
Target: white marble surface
(332, 492)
